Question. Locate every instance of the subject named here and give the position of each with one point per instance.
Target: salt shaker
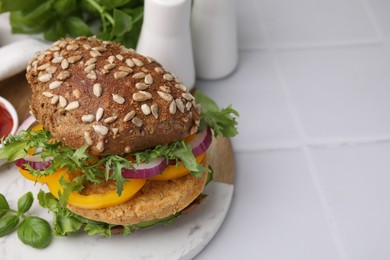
(165, 36)
(214, 38)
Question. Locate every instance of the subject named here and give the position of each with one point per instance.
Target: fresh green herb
(4, 207)
(116, 20)
(15, 147)
(222, 121)
(8, 224)
(35, 231)
(25, 202)
(32, 230)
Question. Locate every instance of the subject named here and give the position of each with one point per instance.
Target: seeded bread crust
(155, 200)
(97, 93)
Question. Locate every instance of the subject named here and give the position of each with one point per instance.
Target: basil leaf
(25, 202)
(35, 231)
(4, 206)
(65, 7)
(55, 31)
(38, 14)
(104, 36)
(77, 27)
(14, 5)
(88, 7)
(122, 23)
(111, 4)
(8, 224)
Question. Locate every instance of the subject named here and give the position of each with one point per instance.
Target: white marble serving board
(183, 239)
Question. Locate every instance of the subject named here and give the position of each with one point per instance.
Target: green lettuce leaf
(64, 222)
(222, 121)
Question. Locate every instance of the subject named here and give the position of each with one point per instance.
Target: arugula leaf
(114, 165)
(184, 153)
(75, 185)
(222, 121)
(178, 150)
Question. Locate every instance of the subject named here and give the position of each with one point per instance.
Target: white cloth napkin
(14, 57)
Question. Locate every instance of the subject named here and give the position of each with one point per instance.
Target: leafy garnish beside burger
(120, 142)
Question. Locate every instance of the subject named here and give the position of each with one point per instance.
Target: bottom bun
(156, 200)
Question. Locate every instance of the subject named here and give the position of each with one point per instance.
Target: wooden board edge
(221, 158)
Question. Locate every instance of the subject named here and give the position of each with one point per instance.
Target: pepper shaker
(165, 36)
(214, 38)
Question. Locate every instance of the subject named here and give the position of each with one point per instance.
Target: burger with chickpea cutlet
(119, 141)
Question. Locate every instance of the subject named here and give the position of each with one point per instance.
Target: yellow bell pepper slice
(94, 201)
(175, 171)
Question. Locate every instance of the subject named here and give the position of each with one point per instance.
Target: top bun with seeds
(89, 92)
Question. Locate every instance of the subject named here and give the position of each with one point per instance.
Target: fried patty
(156, 200)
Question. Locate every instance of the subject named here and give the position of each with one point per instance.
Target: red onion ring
(146, 170)
(34, 161)
(201, 142)
(27, 123)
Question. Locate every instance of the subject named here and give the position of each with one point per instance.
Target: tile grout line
(321, 143)
(313, 171)
(314, 46)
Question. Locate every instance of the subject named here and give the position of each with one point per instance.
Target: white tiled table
(313, 154)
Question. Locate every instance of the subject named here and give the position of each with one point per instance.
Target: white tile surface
(276, 212)
(380, 10)
(315, 22)
(254, 90)
(355, 180)
(340, 93)
(249, 31)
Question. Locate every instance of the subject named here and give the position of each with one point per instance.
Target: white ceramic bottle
(166, 36)
(214, 38)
